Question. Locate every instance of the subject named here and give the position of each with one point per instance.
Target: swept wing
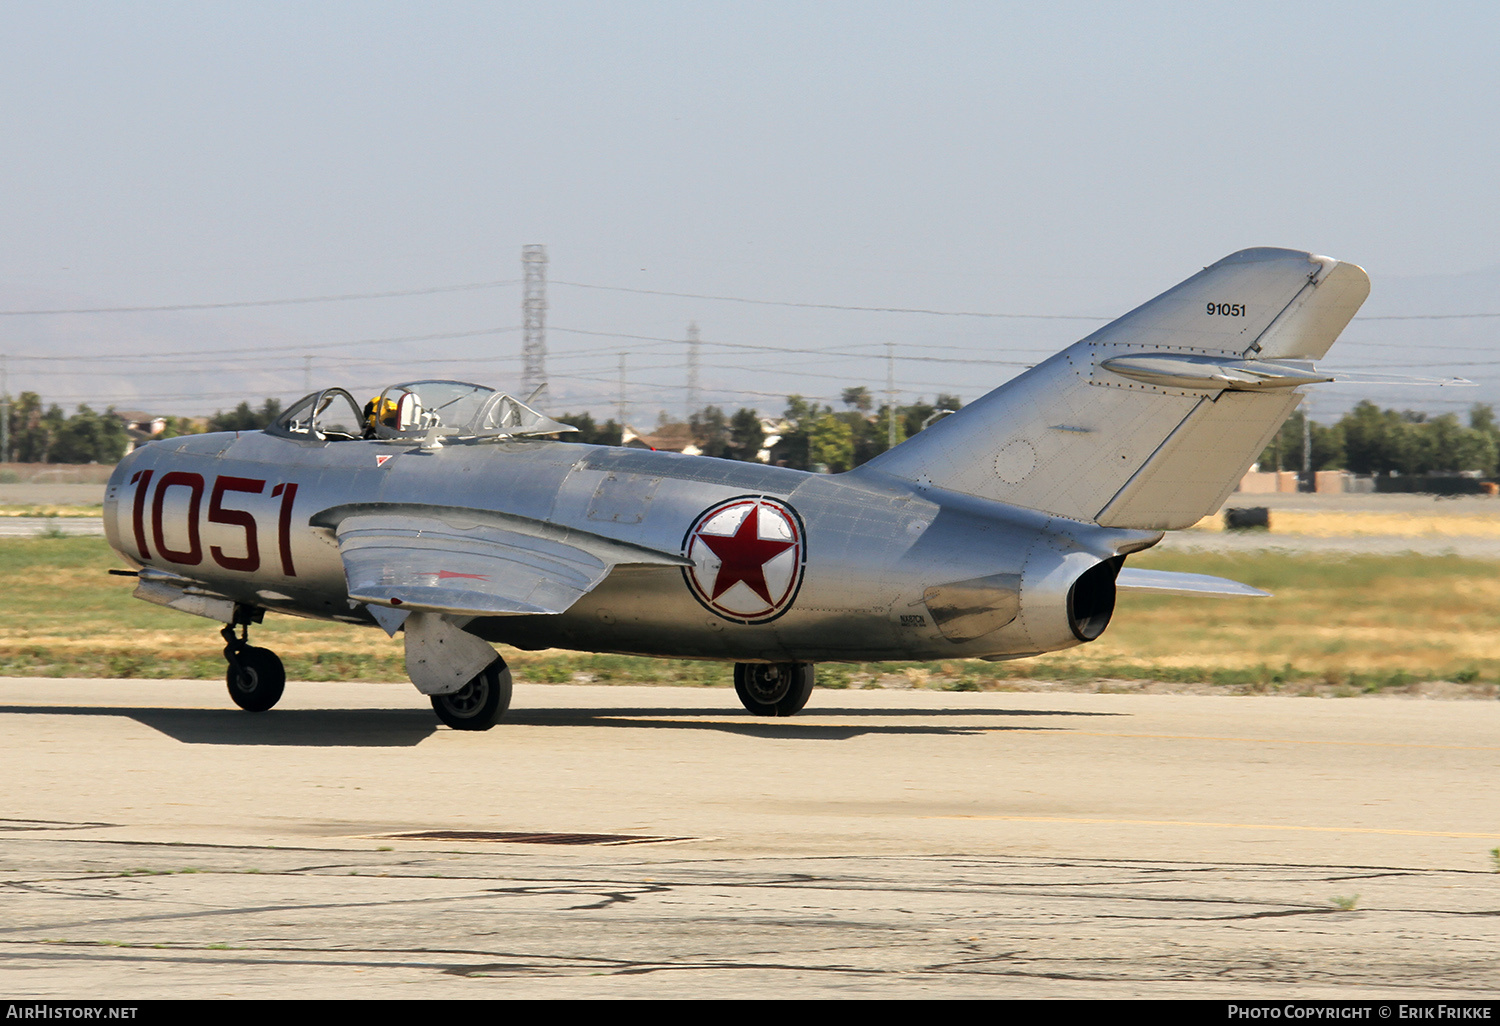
(1174, 583)
(472, 562)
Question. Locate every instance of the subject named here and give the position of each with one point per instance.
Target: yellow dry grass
(51, 511)
(1330, 617)
(1369, 524)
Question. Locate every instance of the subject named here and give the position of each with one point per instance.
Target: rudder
(1199, 380)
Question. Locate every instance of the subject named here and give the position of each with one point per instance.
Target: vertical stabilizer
(1161, 440)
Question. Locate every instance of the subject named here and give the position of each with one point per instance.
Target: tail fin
(1150, 421)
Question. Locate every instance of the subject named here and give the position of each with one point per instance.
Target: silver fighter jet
(453, 514)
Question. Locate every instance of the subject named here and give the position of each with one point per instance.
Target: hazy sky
(1065, 159)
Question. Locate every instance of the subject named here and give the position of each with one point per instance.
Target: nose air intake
(1091, 600)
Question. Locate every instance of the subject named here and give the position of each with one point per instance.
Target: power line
(472, 286)
(1345, 343)
(846, 378)
(259, 302)
(791, 349)
(1423, 317)
(665, 389)
(1428, 364)
(297, 348)
(834, 306)
(467, 287)
(951, 313)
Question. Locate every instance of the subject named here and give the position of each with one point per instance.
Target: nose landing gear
(256, 677)
(479, 703)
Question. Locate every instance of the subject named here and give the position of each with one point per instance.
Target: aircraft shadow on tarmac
(399, 728)
(309, 728)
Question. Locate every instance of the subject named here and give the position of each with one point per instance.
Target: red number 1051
(218, 513)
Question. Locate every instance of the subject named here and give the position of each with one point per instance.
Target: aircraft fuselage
(788, 566)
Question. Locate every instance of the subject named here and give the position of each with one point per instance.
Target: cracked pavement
(903, 844)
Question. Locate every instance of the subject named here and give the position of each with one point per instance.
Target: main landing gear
(479, 703)
(773, 689)
(256, 678)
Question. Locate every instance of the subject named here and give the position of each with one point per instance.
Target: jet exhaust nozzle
(1091, 599)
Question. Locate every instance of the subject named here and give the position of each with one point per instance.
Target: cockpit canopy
(422, 411)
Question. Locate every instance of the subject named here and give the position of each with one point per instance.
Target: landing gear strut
(479, 703)
(256, 677)
(773, 689)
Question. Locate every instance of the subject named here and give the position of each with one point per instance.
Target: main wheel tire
(773, 689)
(258, 681)
(479, 703)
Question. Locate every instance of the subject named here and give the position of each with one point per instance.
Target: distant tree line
(245, 418)
(813, 436)
(822, 438)
(39, 435)
(590, 432)
(1369, 440)
(45, 434)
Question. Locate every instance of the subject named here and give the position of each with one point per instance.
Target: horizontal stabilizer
(1379, 378)
(1214, 373)
(472, 562)
(1185, 584)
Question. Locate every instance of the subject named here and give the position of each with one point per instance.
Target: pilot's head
(380, 411)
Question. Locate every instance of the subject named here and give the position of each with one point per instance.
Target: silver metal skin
(999, 532)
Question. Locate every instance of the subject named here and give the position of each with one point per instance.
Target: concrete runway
(33, 527)
(157, 843)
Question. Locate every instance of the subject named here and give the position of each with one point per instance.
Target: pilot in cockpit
(379, 410)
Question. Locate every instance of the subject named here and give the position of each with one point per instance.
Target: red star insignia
(769, 568)
(743, 557)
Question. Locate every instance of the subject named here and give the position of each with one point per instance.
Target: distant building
(1265, 482)
(1324, 481)
(140, 427)
(667, 438)
(771, 430)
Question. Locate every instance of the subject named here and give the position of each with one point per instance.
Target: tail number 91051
(179, 488)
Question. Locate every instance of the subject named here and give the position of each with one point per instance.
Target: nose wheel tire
(256, 679)
(773, 689)
(479, 703)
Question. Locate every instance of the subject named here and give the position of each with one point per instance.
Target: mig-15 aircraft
(456, 515)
